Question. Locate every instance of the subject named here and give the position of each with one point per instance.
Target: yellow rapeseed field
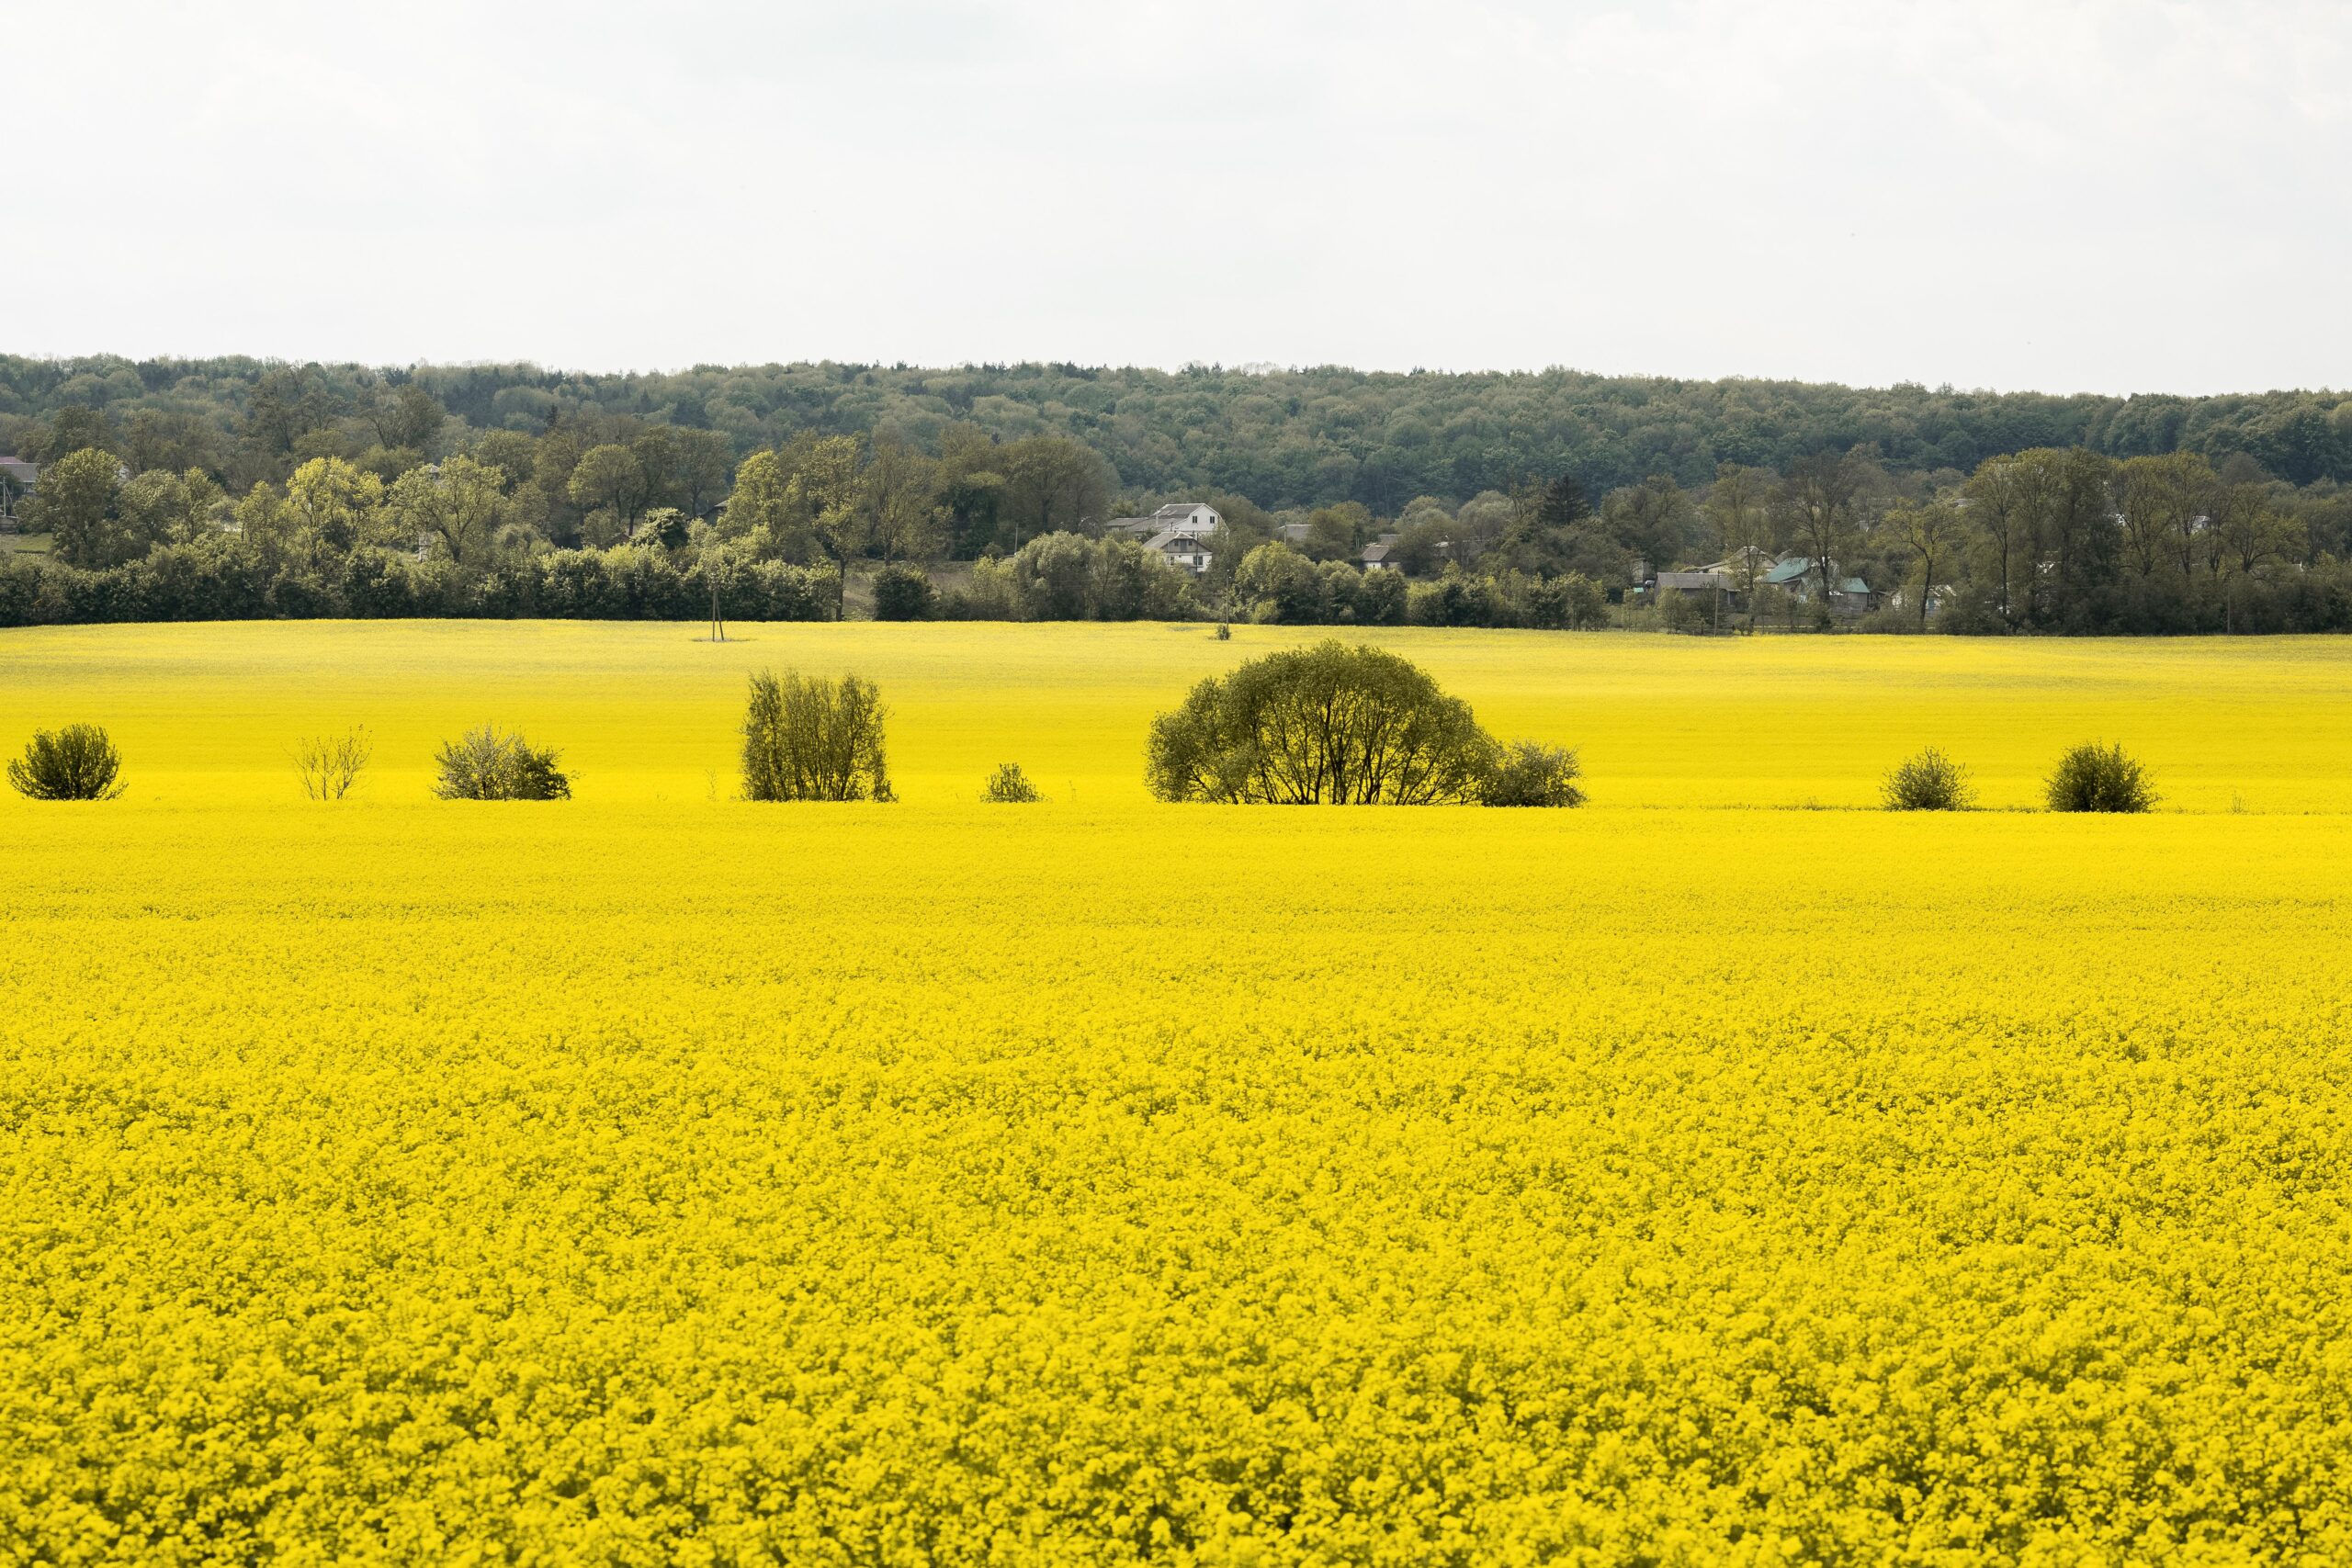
(655, 1178)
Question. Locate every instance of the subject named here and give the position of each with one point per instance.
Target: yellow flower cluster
(689, 1181)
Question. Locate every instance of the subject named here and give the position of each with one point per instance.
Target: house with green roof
(1800, 578)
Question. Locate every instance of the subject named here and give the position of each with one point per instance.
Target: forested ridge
(1282, 437)
(227, 489)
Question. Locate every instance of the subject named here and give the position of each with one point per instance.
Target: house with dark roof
(1189, 551)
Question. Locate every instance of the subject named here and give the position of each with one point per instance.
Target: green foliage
(1680, 612)
(1276, 585)
(811, 739)
(75, 505)
(1010, 787)
(1067, 577)
(2083, 515)
(222, 577)
(1327, 725)
(1570, 601)
(1927, 782)
(1528, 772)
(486, 764)
(1458, 599)
(1292, 438)
(901, 594)
(78, 763)
(2100, 778)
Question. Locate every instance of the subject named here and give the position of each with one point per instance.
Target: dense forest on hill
(1283, 438)
(234, 487)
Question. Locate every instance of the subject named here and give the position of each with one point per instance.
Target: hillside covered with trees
(174, 489)
(1283, 438)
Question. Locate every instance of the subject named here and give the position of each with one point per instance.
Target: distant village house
(17, 479)
(1800, 578)
(1179, 533)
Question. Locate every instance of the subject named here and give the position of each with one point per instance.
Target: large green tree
(460, 504)
(609, 479)
(75, 505)
(1053, 483)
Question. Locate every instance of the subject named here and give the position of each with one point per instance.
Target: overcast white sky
(2056, 194)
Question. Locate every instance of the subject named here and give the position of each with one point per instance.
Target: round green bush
(2101, 778)
(1928, 782)
(77, 762)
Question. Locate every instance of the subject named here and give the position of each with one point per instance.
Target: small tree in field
(77, 762)
(1333, 725)
(1928, 782)
(1010, 787)
(2101, 778)
(330, 765)
(814, 739)
(484, 764)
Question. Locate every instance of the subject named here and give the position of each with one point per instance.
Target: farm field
(655, 1178)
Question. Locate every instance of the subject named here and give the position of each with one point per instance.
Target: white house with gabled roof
(1192, 519)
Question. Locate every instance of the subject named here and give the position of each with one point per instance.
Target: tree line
(1297, 437)
(315, 491)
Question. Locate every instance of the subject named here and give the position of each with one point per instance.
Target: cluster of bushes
(1057, 577)
(1069, 577)
(2103, 778)
(1276, 585)
(1323, 725)
(1327, 725)
(81, 762)
(491, 764)
(220, 578)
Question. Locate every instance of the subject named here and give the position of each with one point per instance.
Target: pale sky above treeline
(2062, 195)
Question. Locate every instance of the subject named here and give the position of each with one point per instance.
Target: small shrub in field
(77, 762)
(1223, 631)
(2101, 778)
(1528, 772)
(1010, 787)
(330, 765)
(484, 764)
(1928, 782)
(901, 594)
(814, 739)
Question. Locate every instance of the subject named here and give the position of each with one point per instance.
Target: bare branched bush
(77, 762)
(1010, 787)
(485, 765)
(1928, 782)
(330, 765)
(814, 739)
